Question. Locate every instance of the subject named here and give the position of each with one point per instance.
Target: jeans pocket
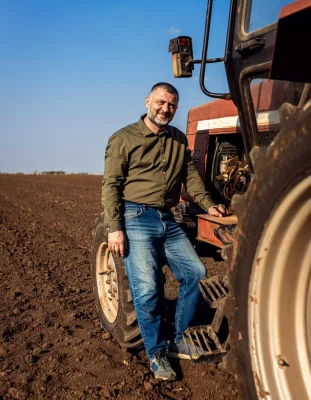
(132, 213)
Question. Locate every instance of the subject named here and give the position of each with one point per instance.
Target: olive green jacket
(146, 168)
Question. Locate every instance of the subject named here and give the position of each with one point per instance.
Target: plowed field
(51, 343)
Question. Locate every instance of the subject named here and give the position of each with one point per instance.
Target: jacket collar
(145, 130)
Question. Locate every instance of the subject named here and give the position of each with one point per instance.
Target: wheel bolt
(282, 362)
(115, 289)
(108, 281)
(109, 291)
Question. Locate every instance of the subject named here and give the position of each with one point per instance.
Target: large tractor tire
(270, 268)
(112, 294)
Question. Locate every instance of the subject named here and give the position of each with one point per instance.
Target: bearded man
(145, 165)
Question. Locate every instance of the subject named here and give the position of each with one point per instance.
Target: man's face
(161, 107)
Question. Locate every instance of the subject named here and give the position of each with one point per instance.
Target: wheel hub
(107, 282)
(279, 307)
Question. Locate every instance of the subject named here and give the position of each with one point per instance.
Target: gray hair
(166, 86)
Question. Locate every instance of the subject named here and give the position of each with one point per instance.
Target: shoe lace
(162, 361)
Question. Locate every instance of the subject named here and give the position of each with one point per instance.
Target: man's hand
(116, 242)
(218, 211)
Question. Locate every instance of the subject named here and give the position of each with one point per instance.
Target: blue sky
(72, 72)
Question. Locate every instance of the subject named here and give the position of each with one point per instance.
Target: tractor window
(260, 13)
(268, 95)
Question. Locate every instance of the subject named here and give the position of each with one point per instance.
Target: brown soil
(51, 343)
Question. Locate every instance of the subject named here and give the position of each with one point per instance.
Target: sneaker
(161, 367)
(184, 351)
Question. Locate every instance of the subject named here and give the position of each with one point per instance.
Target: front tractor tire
(112, 294)
(270, 268)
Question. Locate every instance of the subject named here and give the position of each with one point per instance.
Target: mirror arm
(208, 61)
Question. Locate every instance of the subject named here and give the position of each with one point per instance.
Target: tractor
(252, 149)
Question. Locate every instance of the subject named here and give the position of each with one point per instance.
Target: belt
(147, 206)
(162, 209)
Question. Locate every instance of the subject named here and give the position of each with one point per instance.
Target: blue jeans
(153, 232)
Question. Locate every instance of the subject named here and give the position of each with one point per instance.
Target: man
(145, 165)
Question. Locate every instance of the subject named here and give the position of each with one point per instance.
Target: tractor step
(205, 338)
(213, 339)
(218, 231)
(214, 289)
(225, 233)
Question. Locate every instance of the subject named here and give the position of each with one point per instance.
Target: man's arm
(195, 187)
(116, 162)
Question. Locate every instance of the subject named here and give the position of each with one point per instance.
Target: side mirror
(182, 56)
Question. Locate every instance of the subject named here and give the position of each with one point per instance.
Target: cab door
(249, 53)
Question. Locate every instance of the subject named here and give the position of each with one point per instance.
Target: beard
(153, 117)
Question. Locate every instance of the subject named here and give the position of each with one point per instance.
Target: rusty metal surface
(212, 110)
(207, 225)
(294, 7)
(228, 220)
(206, 232)
(198, 145)
(290, 60)
(270, 95)
(205, 338)
(266, 96)
(214, 289)
(225, 233)
(213, 339)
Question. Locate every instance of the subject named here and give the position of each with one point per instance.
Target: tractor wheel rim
(279, 302)
(107, 282)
